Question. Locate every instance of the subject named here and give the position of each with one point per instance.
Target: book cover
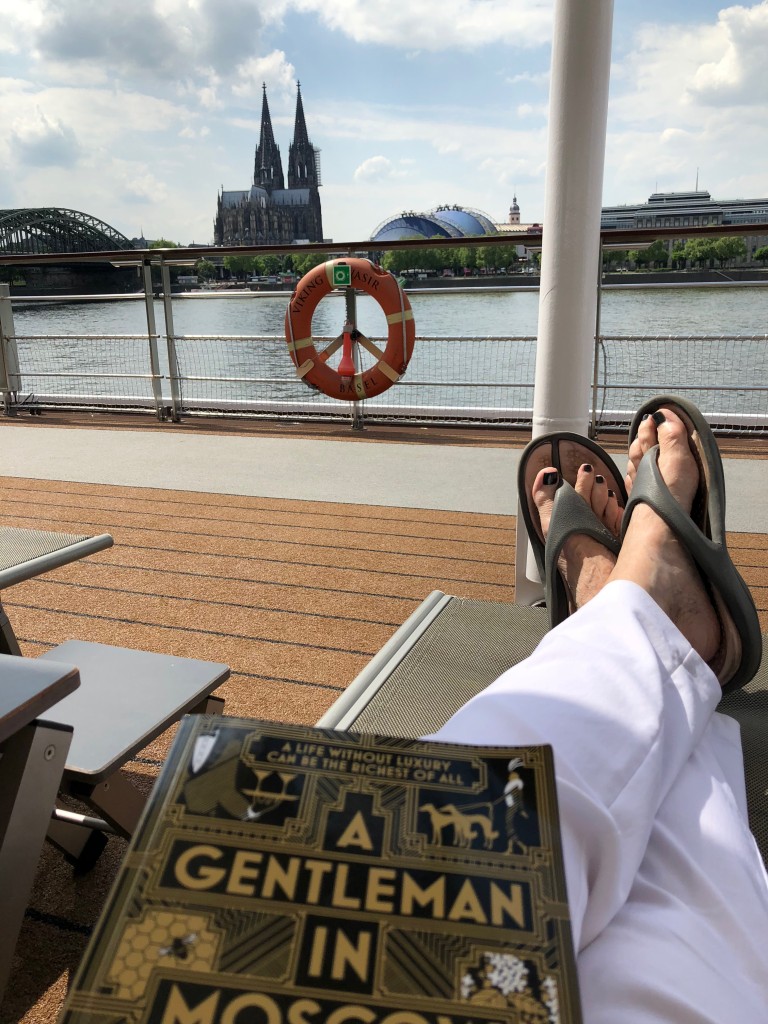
(289, 875)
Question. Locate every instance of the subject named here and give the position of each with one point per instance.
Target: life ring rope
(312, 366)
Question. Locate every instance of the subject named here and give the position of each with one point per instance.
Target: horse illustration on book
(487, 821)
(462, 823)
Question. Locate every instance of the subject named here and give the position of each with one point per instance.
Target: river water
(442, 373)
(706, 310)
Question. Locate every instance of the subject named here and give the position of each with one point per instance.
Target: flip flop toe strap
(571, 516)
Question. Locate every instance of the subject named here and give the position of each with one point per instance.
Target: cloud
(18, 23)
(274, 69)
(436, 25)
(738, 74)
(188, 132)
(689, 100)
(137, 184)
(378, 168)
(42, 141)
(164, 39)
(539, 79)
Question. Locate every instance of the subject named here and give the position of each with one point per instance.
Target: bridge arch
(50, 229)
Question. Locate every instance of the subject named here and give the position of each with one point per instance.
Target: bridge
(50, 229)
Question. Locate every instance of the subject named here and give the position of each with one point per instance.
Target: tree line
(697, 252)
(481, 257)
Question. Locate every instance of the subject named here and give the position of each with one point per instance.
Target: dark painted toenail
(599, 479)
(549, 478)
(587, 468)
(659, 418)
(645, 417)
(611, 494)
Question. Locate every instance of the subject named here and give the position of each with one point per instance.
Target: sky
(138, 111)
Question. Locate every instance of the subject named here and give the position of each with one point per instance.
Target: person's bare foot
(584, 563)
(651, 555)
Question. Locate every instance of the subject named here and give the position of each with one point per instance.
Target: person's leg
(689, 944)
(623, 699)
(626, 699)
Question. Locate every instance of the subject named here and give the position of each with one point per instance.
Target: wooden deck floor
(295, 596)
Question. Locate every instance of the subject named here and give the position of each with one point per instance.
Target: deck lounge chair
(125, 700)
(452, 648)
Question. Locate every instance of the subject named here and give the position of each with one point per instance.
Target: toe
(677, 463)
(543, 494)
(636, 451)
(647, 437)
(585, 481)
(599, 496)
(646, 432)
(669, 429)
(612, 513)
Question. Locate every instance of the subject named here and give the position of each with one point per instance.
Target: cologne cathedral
(268, 213)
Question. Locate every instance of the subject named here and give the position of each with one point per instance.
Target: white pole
(578, 113)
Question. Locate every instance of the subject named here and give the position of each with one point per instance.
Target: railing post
(154, 362)
(10, 381)
(596, 362)
(351, 311)
(170, 340)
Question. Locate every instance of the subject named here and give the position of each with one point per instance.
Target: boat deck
(293, 590)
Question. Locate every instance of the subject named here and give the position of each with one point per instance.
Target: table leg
(8, 642)
(116, 800)
(30, 772)
(82, 846)
(209, 706)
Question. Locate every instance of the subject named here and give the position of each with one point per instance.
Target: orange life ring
(312, 366)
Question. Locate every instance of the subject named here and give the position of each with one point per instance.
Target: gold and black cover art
(288, 875)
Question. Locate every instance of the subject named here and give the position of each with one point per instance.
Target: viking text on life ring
(312, 366)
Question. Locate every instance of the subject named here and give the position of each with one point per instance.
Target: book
(288, 875)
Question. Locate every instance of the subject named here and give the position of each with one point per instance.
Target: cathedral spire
(268, 167)
(303, 165)
(299, 124)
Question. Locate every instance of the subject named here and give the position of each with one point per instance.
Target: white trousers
(667, 890)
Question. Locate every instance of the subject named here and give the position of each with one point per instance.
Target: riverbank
(486, 282)
(622, 279)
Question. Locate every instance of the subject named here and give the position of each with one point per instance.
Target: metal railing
(484, 380)
(481, 380)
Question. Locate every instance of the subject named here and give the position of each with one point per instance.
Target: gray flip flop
(566, 452)
(702, 533)
(571, 516)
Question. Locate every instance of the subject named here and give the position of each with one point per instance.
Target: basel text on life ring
(312, 366)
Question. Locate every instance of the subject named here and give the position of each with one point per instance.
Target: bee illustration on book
(179, 947)
(264, 800)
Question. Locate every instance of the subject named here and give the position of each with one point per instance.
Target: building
(268, 213)
(690, 209)
(514, 224)
(440, 222)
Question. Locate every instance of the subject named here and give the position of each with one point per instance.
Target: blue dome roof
(443, 222)
(469, 222)
(410, 225)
